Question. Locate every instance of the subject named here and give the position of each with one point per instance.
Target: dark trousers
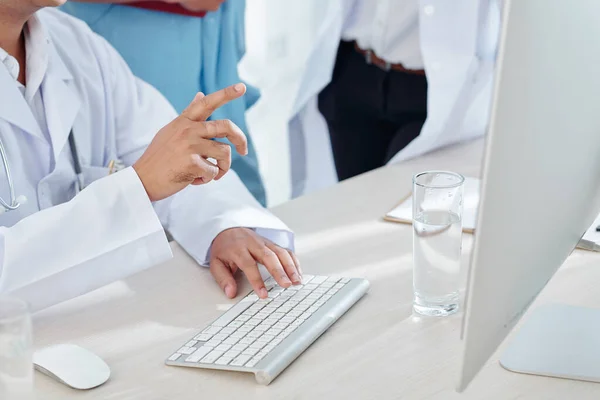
(371, 113)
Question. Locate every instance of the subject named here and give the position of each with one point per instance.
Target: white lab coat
(458, 43)
(60, 245)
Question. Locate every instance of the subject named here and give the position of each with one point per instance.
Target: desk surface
(379, 350)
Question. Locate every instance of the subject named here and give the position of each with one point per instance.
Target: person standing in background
(181, 49)
(410, 76)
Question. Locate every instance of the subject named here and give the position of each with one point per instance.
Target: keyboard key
(338, 286)
(333, 279)
(281, 325)
(312, 309)
(198, 354)
(232, 353)
(307, 278)
(269, 347)
(223, 347)
(186, 350)
(257, 345)
(230, 341)
(312, 286)
(220, 336)
(253, 322)
(319, 303)
(261, 355)
(327, 285)
(261, 328)
(332, 291)
(276, 341)
(294, 313)
(211, 330)
(240, 360)
(251, 297)
(318, 279)
(212, 357)
(254, 334)
(212, 343)
(203, 337)
(227, 330)
(237, 335)
(267, 338)
(246, 341)
(243, 318)
(174, 357)
(235, 324)
(223, 360)
(245, 328)
(327, 297)
(345, 280)
(296, 323)
(273, 331)
(250, 352)
(239, 347)
(232, 313)
(321, 290)
(191, 343)
(305, 316)
(252, 363)
(287, 319)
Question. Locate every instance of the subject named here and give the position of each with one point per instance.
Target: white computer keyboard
(264, 336)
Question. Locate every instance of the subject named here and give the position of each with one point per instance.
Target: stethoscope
(18, 201)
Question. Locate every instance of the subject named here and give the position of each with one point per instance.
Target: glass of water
(437, 241)
(16, 364)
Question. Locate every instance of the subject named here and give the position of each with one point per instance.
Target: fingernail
(286, 281)
(262, 293)
(229, 291)
(238, 87)
(296, 278)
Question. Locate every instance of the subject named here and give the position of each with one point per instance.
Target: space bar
(232, 313)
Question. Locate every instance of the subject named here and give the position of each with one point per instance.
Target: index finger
(203, 106)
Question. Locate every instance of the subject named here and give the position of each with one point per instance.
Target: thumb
(224, 277)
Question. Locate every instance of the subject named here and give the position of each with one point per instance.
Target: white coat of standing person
(71, 113)
(410, 76)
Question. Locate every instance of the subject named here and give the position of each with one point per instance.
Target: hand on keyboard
(241, 248)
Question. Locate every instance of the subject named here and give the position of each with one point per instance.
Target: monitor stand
(559, 341)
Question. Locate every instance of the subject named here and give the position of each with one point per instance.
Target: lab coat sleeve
(197, 214)
(107, 232)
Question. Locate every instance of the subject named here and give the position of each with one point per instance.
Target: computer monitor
(540, 190)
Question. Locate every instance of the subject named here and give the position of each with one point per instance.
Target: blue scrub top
(182, 55)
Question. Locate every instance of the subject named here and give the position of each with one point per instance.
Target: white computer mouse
(72, 365)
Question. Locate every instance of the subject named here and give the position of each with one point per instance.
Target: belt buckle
(369, 60)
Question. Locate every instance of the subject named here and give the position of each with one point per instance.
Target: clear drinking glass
(437, 241)
(16, 364)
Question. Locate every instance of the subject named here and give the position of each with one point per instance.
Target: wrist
(142, 176)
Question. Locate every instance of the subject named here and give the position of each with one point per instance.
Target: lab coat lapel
(14, 108)
(61, 101)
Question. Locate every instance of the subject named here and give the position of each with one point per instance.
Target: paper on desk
(403, 212)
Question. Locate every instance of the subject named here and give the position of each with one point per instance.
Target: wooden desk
(379, 350)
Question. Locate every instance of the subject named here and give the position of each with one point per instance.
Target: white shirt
(62, 243)
(390, 28)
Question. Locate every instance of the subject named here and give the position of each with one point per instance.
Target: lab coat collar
(61, 102)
